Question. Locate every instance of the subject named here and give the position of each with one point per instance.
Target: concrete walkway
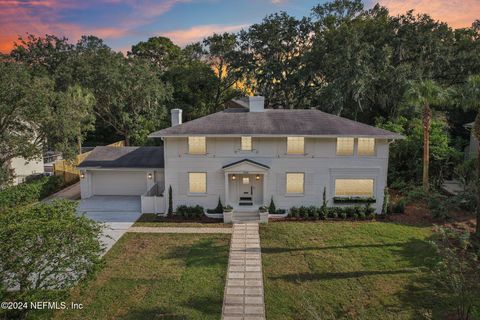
(178, 230)
(243, 297)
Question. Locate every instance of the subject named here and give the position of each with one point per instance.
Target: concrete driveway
(118, 213)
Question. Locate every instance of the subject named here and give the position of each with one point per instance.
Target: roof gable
(245, 165)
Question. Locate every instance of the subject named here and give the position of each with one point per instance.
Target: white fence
(153, 201)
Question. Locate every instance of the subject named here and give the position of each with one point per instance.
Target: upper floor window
(295, 145)
(366, 146)
(354, 187)
(246, 144)
(295, 182)
(197, 145)
(197, 182)
(344, 146)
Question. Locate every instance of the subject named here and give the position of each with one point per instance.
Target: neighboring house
(246, 156)
(23, 168)
(471, 150)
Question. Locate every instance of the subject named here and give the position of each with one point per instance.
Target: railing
(153, 200)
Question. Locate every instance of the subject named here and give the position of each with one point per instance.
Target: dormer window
(295, 145)
(197, 145)
(366, 147)
(246, 144)
(345, 146)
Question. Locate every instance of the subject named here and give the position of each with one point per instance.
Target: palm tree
(470, 99)
(423, 94)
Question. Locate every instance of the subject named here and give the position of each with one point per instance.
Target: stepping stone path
(243, 299)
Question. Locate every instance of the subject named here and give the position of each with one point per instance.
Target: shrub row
(29, 192)
(312, 212)
(189, 211)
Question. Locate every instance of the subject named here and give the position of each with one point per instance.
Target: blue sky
(122, 23)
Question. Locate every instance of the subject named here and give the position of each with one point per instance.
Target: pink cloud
(183, 37)
(457, 13)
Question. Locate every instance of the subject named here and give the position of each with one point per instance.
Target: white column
(264, 188)
(226, 190)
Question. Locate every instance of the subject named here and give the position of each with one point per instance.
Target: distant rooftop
(275, 122)
(124, 157)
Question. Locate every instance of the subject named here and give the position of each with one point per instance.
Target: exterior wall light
(82, 175)
(234, 177)
(257, 177)
(149, 176)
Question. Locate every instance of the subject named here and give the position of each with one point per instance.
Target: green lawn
(151, 220)
(156, 276)
(352, 270)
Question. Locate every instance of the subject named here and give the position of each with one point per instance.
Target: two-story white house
(246, 156)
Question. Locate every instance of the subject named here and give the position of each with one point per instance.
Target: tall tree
(423, 94)
(159, 50)
(470, 99)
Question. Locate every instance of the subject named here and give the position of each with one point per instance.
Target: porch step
(245, 217)
(245, 204)
(245, 198)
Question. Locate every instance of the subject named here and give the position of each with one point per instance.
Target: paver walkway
(178, 230)
(243, 299)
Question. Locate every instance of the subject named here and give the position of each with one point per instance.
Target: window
(344, 146)
(197, 145)
(295, 145)
(197, 182)
(246, 180)
(354, 187)
(246, 144)
(366, 146)
(295, 182)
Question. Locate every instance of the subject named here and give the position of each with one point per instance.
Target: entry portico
(245, 184)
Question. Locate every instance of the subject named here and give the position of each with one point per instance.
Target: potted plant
(263, 211)
(227, 214)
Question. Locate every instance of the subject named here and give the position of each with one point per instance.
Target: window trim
(354, 178)
(345, 155)
(188, 145)
(296, 154)
(294, 193)
(374, 148)
(197, 193)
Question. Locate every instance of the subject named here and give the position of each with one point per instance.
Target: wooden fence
(68, 169)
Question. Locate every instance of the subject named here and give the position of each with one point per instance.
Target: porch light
(234, 177)
(257, 177)
(149, 176)
(82, 175)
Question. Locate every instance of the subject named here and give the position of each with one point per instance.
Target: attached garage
(118, 183)
(124, 171)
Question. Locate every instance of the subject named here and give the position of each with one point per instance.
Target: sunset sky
(122, 23)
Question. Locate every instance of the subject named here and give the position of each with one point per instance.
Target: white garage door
(115, 183)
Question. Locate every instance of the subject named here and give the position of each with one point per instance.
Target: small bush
(311, 211)
(281, 211)
(228, 208)
(342, 214)
(294, 212)
(303, 211)
(369, 211)
(334, 213)
(350, 211)
(272, 209)
(322, 213)
(417, 194)
(263, 209)
(189, 211)
(437, 207)
(399, 206)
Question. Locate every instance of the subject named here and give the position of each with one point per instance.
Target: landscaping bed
(333, 270)
(152, 220)
(155, 276)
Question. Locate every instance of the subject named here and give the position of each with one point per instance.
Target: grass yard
(352, 270)
(151, 220)
(156, 276)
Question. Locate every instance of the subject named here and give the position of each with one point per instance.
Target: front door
(246, 191)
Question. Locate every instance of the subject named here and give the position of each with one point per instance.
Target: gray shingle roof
(124, 157)
(271, 122)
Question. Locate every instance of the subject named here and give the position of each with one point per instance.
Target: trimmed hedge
(30, 192)
(322, 213)
(189, 212)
